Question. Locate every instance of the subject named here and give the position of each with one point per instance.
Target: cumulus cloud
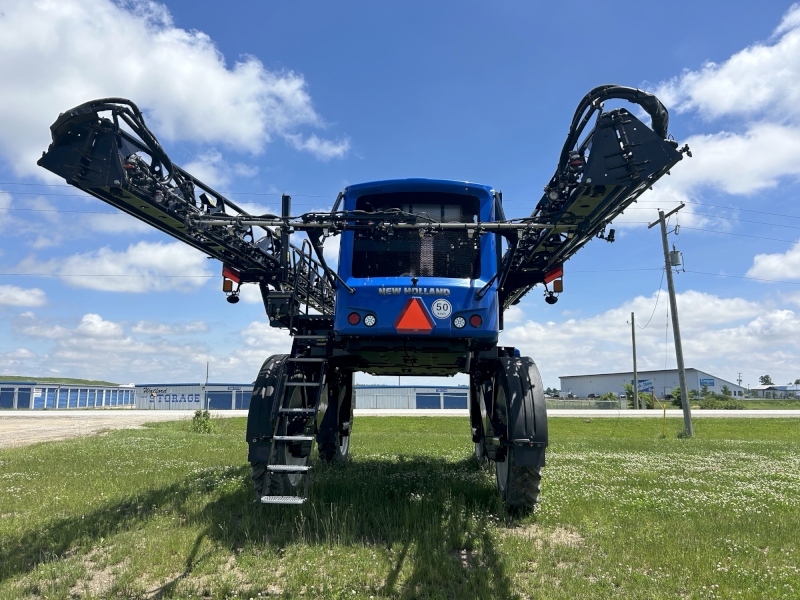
(760, 78)
(779, 266)
(142, 267)
(11, 295)
(754, 97)
(321, 148)
(158, 328)
(720, 335)
(178, 77)
(99, 348)
(212, 169)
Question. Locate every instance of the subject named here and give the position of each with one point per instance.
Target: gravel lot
(20, 428)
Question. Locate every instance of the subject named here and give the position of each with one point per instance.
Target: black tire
(334, 446)
(519, 487)
(260, 479)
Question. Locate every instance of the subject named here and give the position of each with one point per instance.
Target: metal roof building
(24, 395)
(391, 396)
(659, 382)
(193, 396)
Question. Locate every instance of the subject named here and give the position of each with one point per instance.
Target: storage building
(22, 395)
(193, 396)
(659, 382)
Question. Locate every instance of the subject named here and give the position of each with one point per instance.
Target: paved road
(20, 428)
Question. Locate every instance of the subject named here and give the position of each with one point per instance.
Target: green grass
(64, 380)
(165, 512)
(791, 403)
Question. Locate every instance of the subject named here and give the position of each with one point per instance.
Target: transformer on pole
(676, 331)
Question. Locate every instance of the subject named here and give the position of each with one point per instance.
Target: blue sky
(260, 98)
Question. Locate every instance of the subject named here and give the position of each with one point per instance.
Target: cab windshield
(449, 254)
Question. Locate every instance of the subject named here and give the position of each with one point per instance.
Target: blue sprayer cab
(390, 275)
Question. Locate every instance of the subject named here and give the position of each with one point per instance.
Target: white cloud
(147, 351)
(179, 77)
(11, 295)
(762, 77)
(157, 328)
(720, 335)
(251, 294)
(119, 222)
(322, 149)
(777, 266)
(757, 92)
(212, 169)
(142, 267)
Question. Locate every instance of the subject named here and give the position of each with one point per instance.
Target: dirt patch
(97, 581)
(564, 537)
(558, 536)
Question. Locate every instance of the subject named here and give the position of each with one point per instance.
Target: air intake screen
(448, 254)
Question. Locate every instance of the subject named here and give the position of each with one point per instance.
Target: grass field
(163, 512)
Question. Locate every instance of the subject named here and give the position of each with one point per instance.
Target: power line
(761, 212)
(210, 276)
(660, 284)
(333, 195)
(729, 218)
(756, 237)
(744, 277)
(222, 192)
(105, 275)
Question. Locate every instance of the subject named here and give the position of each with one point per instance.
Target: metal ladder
(296, 425)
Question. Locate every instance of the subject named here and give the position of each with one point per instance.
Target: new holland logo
(413, 291)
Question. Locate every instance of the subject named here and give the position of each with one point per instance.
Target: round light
(460, 322)
(370, 320)
(476, 320)
(353, 318)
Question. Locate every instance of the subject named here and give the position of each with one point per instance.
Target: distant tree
(704, 391)
(726, 391)
(629, 394)
(797, 381)
(676, 397)
(765, 380)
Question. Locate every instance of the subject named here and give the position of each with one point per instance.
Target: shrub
(202, 422)
(710, 404)
(733, 405)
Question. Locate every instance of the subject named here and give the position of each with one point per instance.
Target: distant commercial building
(212, 396)
(27, 395)
(193, 396)
(659, 382)
(400, 397)
(776, 391)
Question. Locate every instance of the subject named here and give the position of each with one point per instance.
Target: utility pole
(676, 332)
(635, 371)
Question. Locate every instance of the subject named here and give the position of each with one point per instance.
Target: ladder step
(293, 438)
(303, 383)
(307, 360)
(288, 469)
(282, 500)
(298, 411)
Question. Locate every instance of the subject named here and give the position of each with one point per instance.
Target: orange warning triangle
(414, 318)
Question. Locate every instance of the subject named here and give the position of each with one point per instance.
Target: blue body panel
(460, 293)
